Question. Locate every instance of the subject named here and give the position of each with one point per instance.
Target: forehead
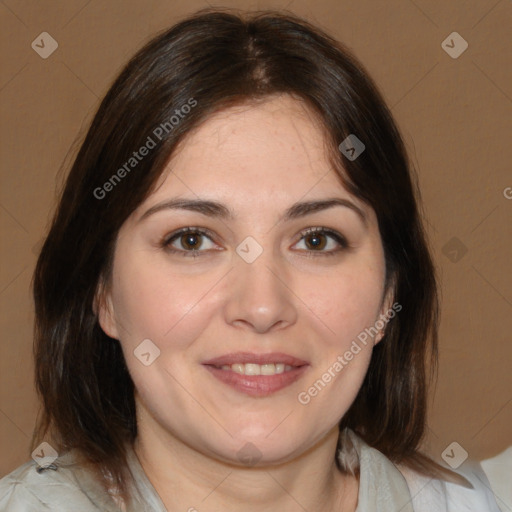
(274, 150)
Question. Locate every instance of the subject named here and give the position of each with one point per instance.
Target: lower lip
(257, 385)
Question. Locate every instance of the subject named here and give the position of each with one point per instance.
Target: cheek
(347, 302)
(159, 304)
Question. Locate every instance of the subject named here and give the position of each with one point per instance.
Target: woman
(235, 305)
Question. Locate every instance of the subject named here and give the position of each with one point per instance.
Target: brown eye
(316, 240)
(189, 242)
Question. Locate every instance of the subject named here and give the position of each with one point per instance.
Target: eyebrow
(219, 210)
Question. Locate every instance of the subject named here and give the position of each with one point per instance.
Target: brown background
(455, 116)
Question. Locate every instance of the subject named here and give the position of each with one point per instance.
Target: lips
(249, 357)
(259, 385)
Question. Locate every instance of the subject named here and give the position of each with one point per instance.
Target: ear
(103, 308)
(386, 313)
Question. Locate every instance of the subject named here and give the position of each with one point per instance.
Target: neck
(187, 479)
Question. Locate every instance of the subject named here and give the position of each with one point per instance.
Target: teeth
(252, 369)
(257, 369)
(238, 368)
(270, 369)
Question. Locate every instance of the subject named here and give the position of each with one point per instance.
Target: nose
(260, 295)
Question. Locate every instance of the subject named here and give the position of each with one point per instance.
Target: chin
(261, 449)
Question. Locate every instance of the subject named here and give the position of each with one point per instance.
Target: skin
(258, 161)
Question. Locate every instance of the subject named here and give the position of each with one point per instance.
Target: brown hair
(220, 58)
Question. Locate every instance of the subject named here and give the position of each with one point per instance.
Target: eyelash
(168, 240)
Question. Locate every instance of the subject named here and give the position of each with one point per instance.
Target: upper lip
(249, 357)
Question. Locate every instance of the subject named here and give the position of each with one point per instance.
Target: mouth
(257, 374)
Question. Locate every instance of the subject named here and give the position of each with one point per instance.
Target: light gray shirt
(383, 487)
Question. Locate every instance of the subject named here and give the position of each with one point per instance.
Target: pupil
(191, 240)
(315, 241)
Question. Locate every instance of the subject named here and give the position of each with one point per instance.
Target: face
(255, 285)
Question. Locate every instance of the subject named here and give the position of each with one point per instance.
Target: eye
(317, 239)
(190, 239)
(190, 242)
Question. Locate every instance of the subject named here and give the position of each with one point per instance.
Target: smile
(257, 375)
(257, 369)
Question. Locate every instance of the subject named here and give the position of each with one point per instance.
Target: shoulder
(428, 494)
(498, 470)
(26, 489)
(59, 487)
(382, 481)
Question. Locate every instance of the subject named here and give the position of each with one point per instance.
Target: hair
(212, 60)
